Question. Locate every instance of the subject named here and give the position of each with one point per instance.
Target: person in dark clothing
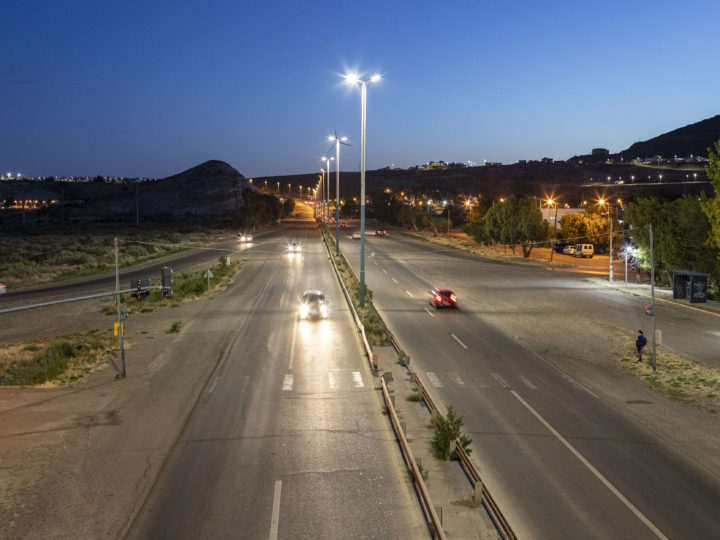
(640, 343)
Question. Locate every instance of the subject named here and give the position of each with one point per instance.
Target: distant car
(343, 225)
(381, 232)
(245, 237)
(294, 247)
(569, 250)
(313, 305)
(2, 288)
(443, 298)
(584, 250)
(355, 235)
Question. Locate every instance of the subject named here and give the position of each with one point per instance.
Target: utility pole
(552, 245)
(652, 300)
(120, 322)
(611, 238)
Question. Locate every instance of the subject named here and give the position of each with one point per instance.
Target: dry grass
(57, 362)
(677, 377)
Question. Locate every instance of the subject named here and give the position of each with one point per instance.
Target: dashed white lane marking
(434, 379)
(395, 281)
(332, 380)
(458, 340)
(275, 520)
(457, 380)
(213, 385)
(499, 379)
(409, 294)
(246, 380)
(528, 383)
(650, 525)
(428, 312)
(384, 271)
(357, 379)
(288, 382)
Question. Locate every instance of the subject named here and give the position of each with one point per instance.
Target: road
(565, 461)
(288, 439)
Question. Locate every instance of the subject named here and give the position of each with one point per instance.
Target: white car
(245, 238)
(356, 235)
(569, 250)
(313, 305)
(2, 288)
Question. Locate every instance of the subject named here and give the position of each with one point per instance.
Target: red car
(443, 298)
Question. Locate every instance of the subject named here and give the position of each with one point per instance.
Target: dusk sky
(153, 88)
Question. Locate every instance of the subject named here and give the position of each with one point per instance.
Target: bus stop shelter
(690, 284)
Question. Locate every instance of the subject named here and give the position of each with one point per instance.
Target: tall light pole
(602, 202)
(353, 79)
(552, 246)
(338, 142)
(326, 189)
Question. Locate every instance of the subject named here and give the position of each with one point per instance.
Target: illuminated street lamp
(338, 142)
(326, 189)
(353, 79)
(278, 184)
(603, 202)
(551, 203)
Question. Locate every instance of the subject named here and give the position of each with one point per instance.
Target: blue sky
(152, 88)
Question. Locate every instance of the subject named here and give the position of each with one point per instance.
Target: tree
(583, 226)
(516, 221)
(711, 206)
(680, 231)
(287, 207)
(349, 209)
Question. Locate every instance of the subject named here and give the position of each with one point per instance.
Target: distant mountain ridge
(693, 139)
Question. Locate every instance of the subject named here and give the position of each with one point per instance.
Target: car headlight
(303, 310)
(323, 310)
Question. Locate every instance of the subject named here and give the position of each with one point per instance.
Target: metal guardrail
(76, 299)
(434, 524)
(487, 499)
(498, 518)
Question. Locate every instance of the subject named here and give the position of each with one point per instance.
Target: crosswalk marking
(288, 382)
(434, 379)
(457, 380)
(357, 379)
(332, 380)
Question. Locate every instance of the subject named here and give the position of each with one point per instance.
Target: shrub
(447, 429)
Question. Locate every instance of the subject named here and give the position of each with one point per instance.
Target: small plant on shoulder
(174, 327)
(413, 397)
(423, 472)
(447, 429)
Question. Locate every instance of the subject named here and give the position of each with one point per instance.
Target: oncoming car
(294, 247)
(245, 238)
(313, 305)
(443, 298)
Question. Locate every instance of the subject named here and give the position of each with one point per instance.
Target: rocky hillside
(213, 188)
(693, 139)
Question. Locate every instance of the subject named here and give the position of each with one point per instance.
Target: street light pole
(611, 239)
(338, 142)
(354, 79)
(652, 300)
(552, 245)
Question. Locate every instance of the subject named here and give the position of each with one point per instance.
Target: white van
(584, 250)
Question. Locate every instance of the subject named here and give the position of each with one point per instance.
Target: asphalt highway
(564, 461)
(288, 439)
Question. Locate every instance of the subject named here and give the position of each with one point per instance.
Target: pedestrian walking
(640, 343)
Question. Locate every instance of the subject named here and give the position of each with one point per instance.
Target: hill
(691, 140)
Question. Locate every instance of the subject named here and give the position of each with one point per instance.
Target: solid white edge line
(634, 509)
(292, 344)
(275, 520)
(428, 312)
(458, 340)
